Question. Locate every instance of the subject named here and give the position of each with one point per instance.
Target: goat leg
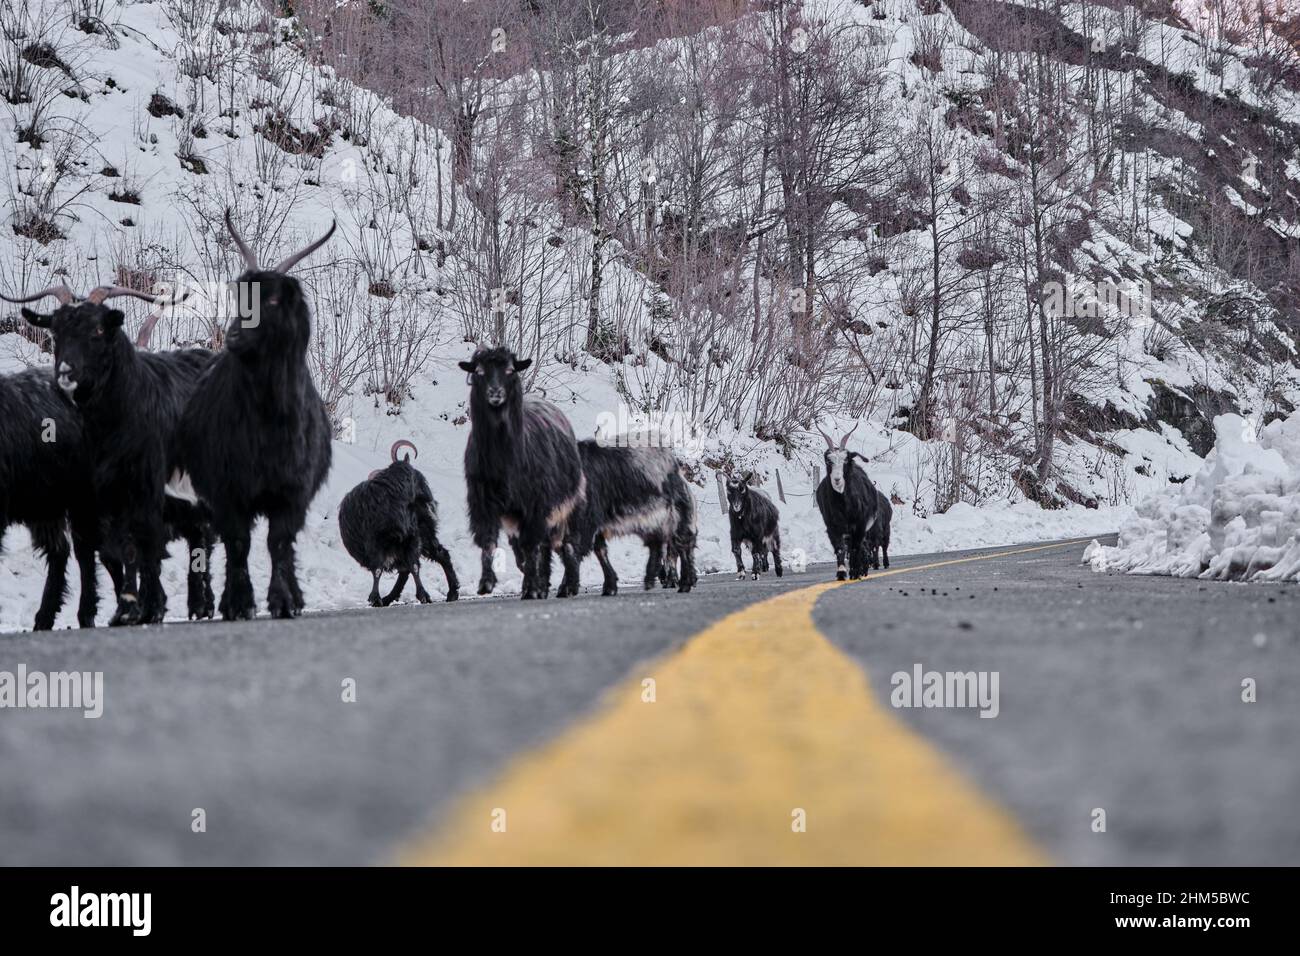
(487, 577)
(421, 594)
(51, 539)
(83, 546)
(282, 529)
(609, 586)
(374, 599)
(237, 601)
(396, 592)
(442, 557)
(654, 564)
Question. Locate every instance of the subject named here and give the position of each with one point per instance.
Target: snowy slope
(290, 145)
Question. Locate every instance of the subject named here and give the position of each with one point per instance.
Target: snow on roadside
(1237, 519)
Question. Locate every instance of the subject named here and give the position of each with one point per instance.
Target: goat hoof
(841, 575)
(485, 587)
(453, 595)
(755, 575)
(375, 601)
(44, 622)
(609, 590)
(424, 598)
(281, 610)
(740, 576)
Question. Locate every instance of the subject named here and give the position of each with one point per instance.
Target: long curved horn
(101, 294)
(297, 257)
(250, 260)
(829, 443)
(146, 330)
(60, 292)
(845, 440)
(397, 445)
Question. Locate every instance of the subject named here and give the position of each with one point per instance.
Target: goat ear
(114, 318)
(466, 366)
(37, 319)
(521, 364)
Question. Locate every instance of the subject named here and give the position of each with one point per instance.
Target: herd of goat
(122, 449)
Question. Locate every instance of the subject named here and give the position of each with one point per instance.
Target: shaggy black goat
(255, 438)
(850, 507)
(45, 485)
(634, 490)
(390, 520)
(522, 472)
(754, 521)
(130, 402)
(878, 535)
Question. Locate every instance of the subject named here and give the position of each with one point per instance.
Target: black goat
(390, 520)
(878, 535)
(130, 402)
(522, 472)
(255, 437)
(45, 485)
(754, 521)
(634, 490)
(850, 507)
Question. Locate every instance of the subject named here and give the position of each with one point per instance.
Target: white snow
(1238, 518)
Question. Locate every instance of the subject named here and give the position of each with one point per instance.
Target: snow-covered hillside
(135, 124)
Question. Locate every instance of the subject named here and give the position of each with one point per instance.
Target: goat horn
(297, 257)
(146, 330)
(415, 452)
(250, 260)
(845, 440)
(60, 292)
(829, 443)
(101, 294)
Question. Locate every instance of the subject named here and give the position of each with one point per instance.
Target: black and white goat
(45, 485)
(850, 507)
(130, 403)
(523, 473)
(255, 437)
(389, 521)
(754, 521)
(634, 489)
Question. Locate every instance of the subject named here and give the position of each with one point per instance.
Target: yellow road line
(756, 721)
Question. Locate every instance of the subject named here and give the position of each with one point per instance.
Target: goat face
(270, 316)
(494, 379)
(838, 460)
(86, 336)
(738, 495)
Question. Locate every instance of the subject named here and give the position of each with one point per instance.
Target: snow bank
(1238, 518)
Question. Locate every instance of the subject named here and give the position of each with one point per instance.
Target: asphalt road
(1120, 693)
